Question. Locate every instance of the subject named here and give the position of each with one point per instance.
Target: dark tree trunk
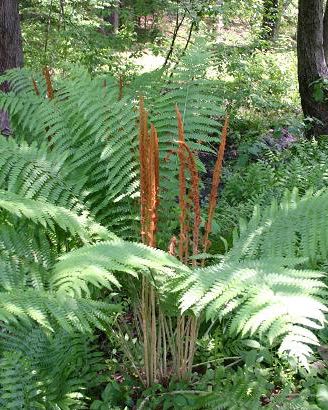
(325, 33)
(312, 65)
(114, 20)
(11, 52)
(270, 19)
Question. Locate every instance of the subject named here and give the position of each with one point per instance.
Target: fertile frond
(201, 110)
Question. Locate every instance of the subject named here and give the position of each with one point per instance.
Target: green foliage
(94, 264)
(115, 396)
(257, 286)
(264, 171)
(70, 177)
(56, 33)
(43, 370)
(295, 228)
(93, 136)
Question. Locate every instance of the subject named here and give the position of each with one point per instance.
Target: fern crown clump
(69, 186)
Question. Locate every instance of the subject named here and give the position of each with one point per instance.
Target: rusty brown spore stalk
(187, 162)
(149, 178)
(35, 86)
(215, 186)
(47, 76)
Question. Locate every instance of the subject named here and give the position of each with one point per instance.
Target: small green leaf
(322, 396)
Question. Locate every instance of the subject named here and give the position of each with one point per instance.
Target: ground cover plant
(163, 234)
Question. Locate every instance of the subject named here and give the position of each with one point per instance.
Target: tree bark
(312, 65)
(325, 33)
(114, 20)
(11, 52)
(270, 19)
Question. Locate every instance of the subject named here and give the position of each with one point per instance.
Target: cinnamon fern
(70, 193)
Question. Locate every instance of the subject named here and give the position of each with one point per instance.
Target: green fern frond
(95, 264)
(256, 285)
(27, 253)
(43, 370)
(295, 227)
(261, 297)
(49, 308)
(46, 214)
(31, 172)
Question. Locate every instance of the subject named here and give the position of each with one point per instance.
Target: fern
(46, 308)
(26, 255)
(71, 177)
(44, 370)
(191, 90)
(242, 389)
(32, 172)
(260, 284)
(45, 214)
(96, 264)
(295, 227)
(93, 136)
(68, 179)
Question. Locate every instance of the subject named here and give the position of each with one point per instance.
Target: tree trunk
(11, 52)
(270, 19)
(114, 20)
(312, 65)
(325, 33)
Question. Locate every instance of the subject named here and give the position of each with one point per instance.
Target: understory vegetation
(163, 231)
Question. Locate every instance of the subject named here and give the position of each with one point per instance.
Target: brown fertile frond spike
(195, 198)
(183, 240)
(215, 185)
(120, 87)
(35, 86)
(154, 184)
(149, 177)
(47, 76)
(149, 187)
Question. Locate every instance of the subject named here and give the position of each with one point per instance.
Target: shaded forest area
(163, 204)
